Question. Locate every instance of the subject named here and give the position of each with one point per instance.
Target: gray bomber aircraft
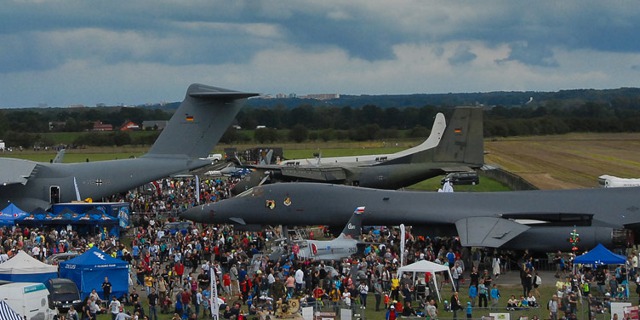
(193, 131)
(460, 149)
(538, 220)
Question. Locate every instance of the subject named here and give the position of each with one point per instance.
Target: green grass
(77, 155)
(486, 184)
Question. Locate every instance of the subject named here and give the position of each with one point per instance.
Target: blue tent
(599, 256)
(89, 269)
(9, 214)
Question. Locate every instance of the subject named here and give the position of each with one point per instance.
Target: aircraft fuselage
(550, 215)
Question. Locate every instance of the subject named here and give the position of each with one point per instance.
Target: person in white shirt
(114, 307)
(4, 257)
(299, 277)
(122, 316)
(35, 252)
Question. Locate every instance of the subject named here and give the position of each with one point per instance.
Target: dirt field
(567, 161)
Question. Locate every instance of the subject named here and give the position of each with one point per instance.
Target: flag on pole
(197, 189)
(359, 210)
(215, 306)
(402, 245)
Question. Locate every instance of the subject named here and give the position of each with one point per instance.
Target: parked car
(467, 177)
(55, 259)
(214, 157)
(63, 293)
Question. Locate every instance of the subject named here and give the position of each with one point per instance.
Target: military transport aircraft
(536, 220)
(437, 130)
(193, 131)
(343, 246)
(460, 149)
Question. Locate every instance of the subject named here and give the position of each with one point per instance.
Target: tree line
(28, 127)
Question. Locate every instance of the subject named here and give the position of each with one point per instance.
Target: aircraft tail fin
(462, 142)
(437, 130)
(267, 158)
(353, 229)
(59, 156)
(198, 124)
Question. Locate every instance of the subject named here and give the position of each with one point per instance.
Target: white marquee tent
(24, 268)
(424, 266)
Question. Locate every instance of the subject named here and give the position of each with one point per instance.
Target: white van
(28, 299)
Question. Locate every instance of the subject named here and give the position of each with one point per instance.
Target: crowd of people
(171, 270)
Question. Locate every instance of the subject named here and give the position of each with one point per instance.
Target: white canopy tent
(424, 266)
(24, 268)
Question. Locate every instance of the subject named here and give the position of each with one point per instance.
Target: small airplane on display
(536, 220)
(343, 246)
(193, 131)
(461, 148)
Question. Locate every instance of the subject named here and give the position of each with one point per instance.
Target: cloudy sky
(62, 52)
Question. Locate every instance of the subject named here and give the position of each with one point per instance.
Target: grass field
(567, 161)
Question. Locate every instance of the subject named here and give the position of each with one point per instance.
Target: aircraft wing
(314, 173)
(487, 231)
(13, 171)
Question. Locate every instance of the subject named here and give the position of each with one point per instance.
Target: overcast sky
(66, 52)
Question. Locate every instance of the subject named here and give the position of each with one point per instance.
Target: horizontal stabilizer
(13, 171)
(222, 95)
(487, 231)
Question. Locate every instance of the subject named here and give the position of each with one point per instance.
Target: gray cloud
(462, 55)
(177, 42)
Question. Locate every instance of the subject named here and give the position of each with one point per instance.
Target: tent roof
(423, 266)
(7, 313)
(12, 209)
(600, 255)
(23, 263)
(94, 257)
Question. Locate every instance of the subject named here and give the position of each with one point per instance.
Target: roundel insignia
(314, 249)
(287, 201)
(270, 204)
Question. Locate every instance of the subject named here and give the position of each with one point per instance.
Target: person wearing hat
(469, 310)
(391, 313)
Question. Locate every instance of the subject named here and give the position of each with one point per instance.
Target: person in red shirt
(178, 267)
(226, 283)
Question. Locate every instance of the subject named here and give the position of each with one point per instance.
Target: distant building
(99, 126)
(154, 124)
(322, 96)
(129, 126)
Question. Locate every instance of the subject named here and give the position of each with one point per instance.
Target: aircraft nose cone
(195, 214)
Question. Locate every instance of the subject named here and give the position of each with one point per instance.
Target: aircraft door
(54, 194)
